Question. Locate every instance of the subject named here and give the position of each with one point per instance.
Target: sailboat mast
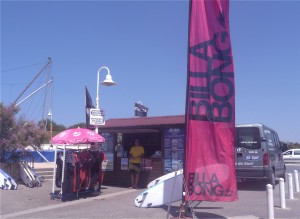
(38, 74)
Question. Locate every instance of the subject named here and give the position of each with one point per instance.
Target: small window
(297, 152)
(270, 138)
(248, 137)
(276, 140)
(287, 153)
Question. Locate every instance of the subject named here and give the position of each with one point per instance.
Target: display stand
(185, 205)
(71, 195)
(58, 195)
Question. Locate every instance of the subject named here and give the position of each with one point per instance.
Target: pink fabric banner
(210, 104)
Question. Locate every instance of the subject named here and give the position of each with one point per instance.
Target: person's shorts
(134, 167)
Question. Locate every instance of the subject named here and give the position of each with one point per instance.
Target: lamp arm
(98, 78)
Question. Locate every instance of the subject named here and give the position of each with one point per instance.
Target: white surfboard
(6, 181)
(164, 192)
(164, 177)
(26, 176)
(33, 174)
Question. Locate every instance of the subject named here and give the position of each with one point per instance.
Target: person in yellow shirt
(135, 158)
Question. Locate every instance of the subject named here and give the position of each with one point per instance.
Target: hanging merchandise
(78, 167)
(78, 172)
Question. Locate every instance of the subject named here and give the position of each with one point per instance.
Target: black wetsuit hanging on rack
(58, 176)
(67, 186)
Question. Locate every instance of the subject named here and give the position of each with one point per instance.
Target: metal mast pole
(49, 62)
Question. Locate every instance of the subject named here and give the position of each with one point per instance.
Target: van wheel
(272, 180)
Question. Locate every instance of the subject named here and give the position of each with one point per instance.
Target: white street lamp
(51, 126)
(107, 82)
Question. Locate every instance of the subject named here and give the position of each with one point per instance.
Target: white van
(258, 154)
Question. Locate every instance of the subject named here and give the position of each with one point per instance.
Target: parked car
(258, 154)
(291, 155)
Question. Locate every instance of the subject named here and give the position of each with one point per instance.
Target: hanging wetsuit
(76, 183)
(85, 169)
(58, 177)
(69, 173)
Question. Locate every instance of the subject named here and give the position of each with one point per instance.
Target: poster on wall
(124, 163)
(174, 149)
(108, 149)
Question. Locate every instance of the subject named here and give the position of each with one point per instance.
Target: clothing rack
(63, 195)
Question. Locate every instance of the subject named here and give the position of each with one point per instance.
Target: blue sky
(144, 44)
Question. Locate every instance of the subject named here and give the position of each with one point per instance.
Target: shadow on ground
(175, 212)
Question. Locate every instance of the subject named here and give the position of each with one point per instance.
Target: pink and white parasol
(77, 136)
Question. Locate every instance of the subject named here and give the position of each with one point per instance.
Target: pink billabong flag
(210, 104)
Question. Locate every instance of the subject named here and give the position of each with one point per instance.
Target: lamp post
(107, 82)
(51, 126)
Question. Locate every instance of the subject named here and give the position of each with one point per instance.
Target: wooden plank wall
(13, 169)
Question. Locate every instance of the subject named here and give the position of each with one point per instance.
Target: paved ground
(116, 202)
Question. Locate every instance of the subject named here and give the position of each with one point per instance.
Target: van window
(248, 137)
(276, 140)
(270, 138)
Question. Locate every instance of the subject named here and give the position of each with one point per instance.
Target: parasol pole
(54, 170)
(63, 170)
